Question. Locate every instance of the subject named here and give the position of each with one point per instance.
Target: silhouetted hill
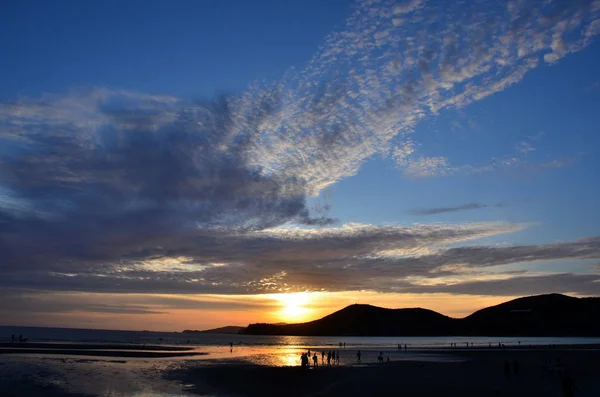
(230, 329)
(543, 315)
(363, 320)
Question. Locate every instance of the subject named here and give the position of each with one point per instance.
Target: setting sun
(294, 306)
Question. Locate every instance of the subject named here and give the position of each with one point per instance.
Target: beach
(472, 373)
(254, 371)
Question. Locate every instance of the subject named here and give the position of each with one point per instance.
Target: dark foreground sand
(481, 374)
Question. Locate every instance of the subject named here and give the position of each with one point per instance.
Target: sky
(171, 165)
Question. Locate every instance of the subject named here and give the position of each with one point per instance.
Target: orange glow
(179, 312)
(294, 306)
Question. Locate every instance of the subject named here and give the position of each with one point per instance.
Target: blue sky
(202, 148)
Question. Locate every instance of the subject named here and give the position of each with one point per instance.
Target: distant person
(304, 359)
(329, 358)
(507, 369)
(569, 387)
(315, 360)
(20, 338)
(519, 343)
(380, 358)
(323, 357)
(340, 344)
(344, 345)
(308, 352)
(12, 339)
(230, 347)
(388, 359)
(358, 355)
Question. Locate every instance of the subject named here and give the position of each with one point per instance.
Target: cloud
(519, 286)
(36, 302)
(272, 260)
(96, 185)
(441, 210)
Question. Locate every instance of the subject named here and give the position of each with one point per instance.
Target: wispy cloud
(457, 208)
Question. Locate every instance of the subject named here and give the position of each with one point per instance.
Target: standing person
(344, 345)
(230, 347)
(322, 357)
(358, 355)
(569, 387)
(315, 360)
(507, 369)
(329, 358)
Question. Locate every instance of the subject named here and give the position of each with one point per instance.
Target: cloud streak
(457, 208)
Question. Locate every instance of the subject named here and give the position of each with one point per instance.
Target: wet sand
(98, 350)
(476, 372)
(93, 346)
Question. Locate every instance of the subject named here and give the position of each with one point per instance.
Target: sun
(293, 306)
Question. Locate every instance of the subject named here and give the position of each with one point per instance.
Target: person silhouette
(329, 358)
(230, 347)
(507, 369)
(569, 387)
(315, 360)
(358, 355)
(323, 357)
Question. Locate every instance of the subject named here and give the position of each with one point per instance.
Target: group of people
(14, 339)
(553, 368)
(380, 358)
(332, 357)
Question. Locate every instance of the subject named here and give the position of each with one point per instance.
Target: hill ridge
(539, 315)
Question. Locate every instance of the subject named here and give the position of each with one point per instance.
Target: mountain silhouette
(230, 329)
(542, 315)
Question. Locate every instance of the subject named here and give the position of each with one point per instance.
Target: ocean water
(37, 334)
(143, 377)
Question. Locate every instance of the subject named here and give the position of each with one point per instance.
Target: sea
(52, 375)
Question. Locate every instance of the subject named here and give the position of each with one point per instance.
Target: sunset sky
(190, 164)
